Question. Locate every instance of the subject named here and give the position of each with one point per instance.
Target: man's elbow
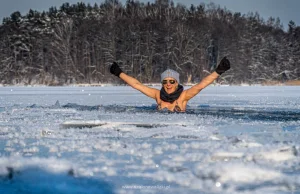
(136, 85)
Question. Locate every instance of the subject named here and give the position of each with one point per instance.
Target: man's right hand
(223, 66)
(115, 69)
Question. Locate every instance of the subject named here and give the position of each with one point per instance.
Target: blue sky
(286, 10)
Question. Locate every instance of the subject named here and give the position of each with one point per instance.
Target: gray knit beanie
(170, 73)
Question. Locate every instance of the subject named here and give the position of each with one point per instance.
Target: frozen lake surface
(112, 140)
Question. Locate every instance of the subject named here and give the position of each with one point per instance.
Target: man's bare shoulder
(183, 95)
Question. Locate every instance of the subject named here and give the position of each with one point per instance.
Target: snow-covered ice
(112, 140)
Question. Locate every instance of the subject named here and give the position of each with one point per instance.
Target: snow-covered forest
(77, 43)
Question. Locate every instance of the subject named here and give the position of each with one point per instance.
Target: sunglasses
(170, 81)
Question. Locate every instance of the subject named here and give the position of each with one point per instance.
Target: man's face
(170, 85)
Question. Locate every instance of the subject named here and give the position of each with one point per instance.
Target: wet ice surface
(112, 140)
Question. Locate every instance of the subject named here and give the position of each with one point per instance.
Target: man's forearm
(208, 80)
(129, 80)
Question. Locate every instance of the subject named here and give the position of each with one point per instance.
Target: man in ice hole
(172, 96)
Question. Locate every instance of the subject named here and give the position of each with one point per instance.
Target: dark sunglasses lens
(166, 81)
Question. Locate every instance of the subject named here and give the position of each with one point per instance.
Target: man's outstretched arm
(150, 92)
(223, 66)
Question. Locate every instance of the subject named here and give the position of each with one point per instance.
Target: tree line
(77, 43)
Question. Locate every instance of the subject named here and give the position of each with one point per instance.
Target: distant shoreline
(270, 83)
